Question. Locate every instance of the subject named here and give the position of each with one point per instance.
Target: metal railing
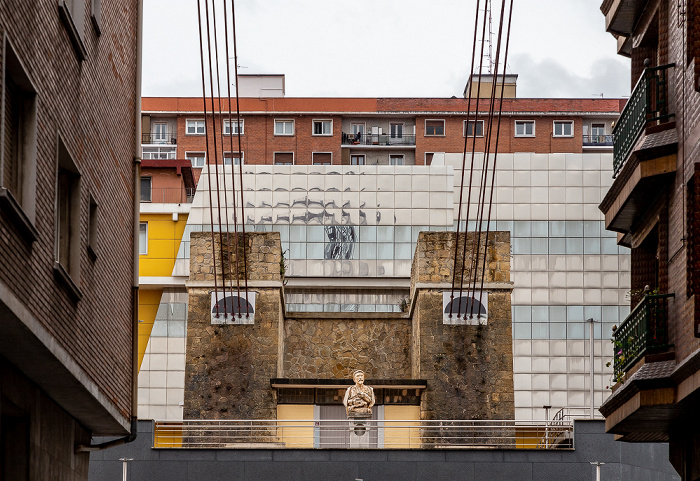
(159, 138)
(168, 195)
(378, 139)
(598, 140)
(648, 103)
(337, 434)
(643, 332)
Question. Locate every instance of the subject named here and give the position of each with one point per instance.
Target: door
(396, 134)
(160, 133)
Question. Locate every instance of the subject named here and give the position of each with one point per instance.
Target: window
(197, 159)
(96, 15)
(564, 129)
(227, 127)
(357, 160)
(160, 133)
(68, 215)
(434, 127)
(165, 152)
(237, 156)
(524, 128)
(284, 158)
(18, 154)
(145, 189)
(396, 159)
(322, 158)
(469, 128)
(323, 127)
(195, 127)
(72, 14)
(92, 227)
(284, 127)
(396, 131)
(143, 238)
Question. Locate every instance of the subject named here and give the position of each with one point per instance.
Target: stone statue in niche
(359, 398)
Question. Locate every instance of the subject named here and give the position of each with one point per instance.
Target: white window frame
(204, 154)
(464, 128)
(562, 122)
(362, 124)
(227, 127)
(523, 122)
(426, 134)
(312, 157)
(150, 188)
(364, 159)
(284, 122)
(274, 155)
(143, 249)
(322, 122)
(403, 159)
(195, 122)
(241, 156)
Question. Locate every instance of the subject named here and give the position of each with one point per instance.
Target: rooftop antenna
(490, 40)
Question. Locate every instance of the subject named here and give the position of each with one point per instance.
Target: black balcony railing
(169, 138)
(645, 331)
(168, 195)
(598, 140)
(378, 139)
(648, 103)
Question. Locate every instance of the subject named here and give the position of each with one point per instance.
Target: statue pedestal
(359, 430)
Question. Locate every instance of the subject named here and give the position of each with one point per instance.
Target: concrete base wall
(623, 461)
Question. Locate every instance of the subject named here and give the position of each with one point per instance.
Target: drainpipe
(135, 280)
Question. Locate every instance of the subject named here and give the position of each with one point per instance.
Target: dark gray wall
(624, 461)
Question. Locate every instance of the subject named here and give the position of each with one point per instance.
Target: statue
(359, 398)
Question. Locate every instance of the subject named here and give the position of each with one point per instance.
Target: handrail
(642, 332)
(647, 103)
(156, 138)
(337, 434)
(378, 139)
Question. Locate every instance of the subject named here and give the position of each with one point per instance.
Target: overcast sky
(387, 48)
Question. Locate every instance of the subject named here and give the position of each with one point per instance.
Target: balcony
(159, 138)
(647, 105)
(643, 332)
(597, 140)
(386, 140)
(168, 195)
(156, 152)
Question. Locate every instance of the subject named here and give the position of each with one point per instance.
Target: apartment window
(237, 158)
(164, 152)
(143, 238)
(145, 189)
(524, 128)
(92, 227)
(323, 127)
(227, 127)
(429, 158)
(284, 127)
(197, 159)
(195, 127)
(68, 215)
(469, 128)
(72, 14)
(321, 158)
(160, 133)
(396, 131)
(357, 160)
(434, 127)
(96, 15)
(18, 166)
(284, 158)
(396, 159)
(564, 129)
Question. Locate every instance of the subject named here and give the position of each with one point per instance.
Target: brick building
(68, 184)
(653, 205)
(554, 163)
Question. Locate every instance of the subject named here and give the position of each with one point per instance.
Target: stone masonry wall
(468, 369)
(334, 348)
(229, 367)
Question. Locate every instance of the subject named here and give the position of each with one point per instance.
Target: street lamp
(124, 461)
(597, 465)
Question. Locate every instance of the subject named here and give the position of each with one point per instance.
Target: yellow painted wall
(399, 435)
(164, 237)
(167, 435)
(297, 435)
(149, 300)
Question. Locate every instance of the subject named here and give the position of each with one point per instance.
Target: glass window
(574, 245)
(195, 127)
(557, 313)
(197, 159)
(357, 160)
(522, 331)
(592, 312)
(368, 233)
(145, 189)
(143, 238)
(395, 159)
(385, 233)
(591, 228)
(557, 228)
(297, 250)
(321, 158)
(540, 313)
(314, 250)
(237, 156)
(403, 233)
(368, 250)
(574, 229)
(608, 246)
(297, 233)
(611, 314)
(564, 129)
(540, 330)
(385, 251)
(522, 245)
(591, 246)
(315, 233)
(434, 127)
(284, 158)
(574, 314)
(576, 330)
(227, 127)
(469, 128)
(540, 229)
(403, 251)
(557, 330)
(522, 228)
(284, 127)
(557, 246)
(522, 313)
(323, 127)
(539, 246)
(524, 128)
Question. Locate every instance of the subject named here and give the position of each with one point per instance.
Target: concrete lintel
(161, 208)
(159, 282)
(490, 286)
(251, 285)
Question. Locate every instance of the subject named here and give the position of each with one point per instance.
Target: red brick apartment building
(654, 205)
(370, 131)
(68, 198)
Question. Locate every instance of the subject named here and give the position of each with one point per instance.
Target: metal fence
(598, 140)
(378, 139)
(380, 434)
(168, 195)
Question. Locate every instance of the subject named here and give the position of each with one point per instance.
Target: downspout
(135, 280)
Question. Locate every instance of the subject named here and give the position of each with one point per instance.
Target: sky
(387, 48)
